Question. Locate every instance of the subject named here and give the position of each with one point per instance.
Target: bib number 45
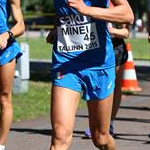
(89, 37)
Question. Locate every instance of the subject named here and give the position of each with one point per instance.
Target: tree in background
(138, 7)
(37, 5)
(47, 5)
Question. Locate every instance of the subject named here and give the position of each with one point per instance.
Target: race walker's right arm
(120, 13)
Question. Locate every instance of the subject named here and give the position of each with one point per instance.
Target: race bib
(77, 37)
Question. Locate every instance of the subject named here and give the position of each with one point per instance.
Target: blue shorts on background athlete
(12, 51)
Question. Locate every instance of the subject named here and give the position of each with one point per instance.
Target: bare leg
(99, 120)
(64, 104)
(117, 92)
(6, 81)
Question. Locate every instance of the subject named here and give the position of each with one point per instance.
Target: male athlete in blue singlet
(9, 52)
(83, 62)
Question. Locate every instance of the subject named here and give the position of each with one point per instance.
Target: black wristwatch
(11, 36)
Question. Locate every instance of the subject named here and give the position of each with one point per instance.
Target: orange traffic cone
(129, 81)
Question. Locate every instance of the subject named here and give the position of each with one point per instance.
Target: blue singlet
(82, 42)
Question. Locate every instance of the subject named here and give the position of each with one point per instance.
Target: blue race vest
(4, 15)
(82, 42)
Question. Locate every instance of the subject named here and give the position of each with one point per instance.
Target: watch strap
(11, 36)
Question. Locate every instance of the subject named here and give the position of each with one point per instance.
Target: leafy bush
(37, 6)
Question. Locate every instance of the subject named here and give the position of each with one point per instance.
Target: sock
(112, 122)
(2, 147)
(111, 128)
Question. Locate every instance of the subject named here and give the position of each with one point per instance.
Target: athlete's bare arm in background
(18, 27)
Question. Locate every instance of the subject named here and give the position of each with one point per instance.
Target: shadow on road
(136, 108)
(46, 132)
(143, 72)
(33, 131)
(127, 137)
(133, 120)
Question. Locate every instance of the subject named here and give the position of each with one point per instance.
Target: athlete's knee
(101, 140)
(5, 99)
(62, 137)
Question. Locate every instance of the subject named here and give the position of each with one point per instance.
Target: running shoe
(87, 133)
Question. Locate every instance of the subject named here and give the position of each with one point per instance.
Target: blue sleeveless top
(82, 42)
(13, 48)
(4, 15)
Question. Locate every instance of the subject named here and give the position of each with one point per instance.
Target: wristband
(10, 35)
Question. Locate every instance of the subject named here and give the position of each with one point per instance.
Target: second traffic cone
(129, 81)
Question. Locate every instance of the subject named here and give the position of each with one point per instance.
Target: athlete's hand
(51, 36)
(3, 40)
(112, 31)
(79, 5)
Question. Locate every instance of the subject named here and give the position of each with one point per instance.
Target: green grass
(35, 102)
(39, 49)
(140, 48)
